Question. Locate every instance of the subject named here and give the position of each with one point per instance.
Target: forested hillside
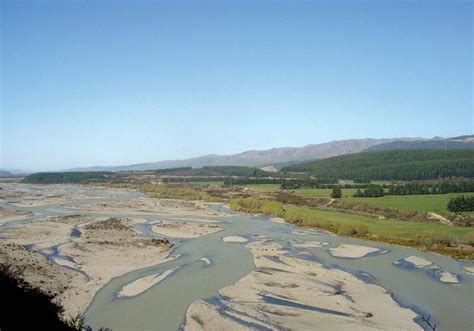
(393, 165)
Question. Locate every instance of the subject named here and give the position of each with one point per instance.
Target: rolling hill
(279, 157)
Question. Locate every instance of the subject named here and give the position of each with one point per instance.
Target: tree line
(66, 177)
(238, 171)
(441, 187)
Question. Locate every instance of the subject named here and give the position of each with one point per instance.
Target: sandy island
(417, 261)
(309, 244)
(143, 284)
(468, 269)
(292, 293)
(352, 251)
(190, 229)
(234, 239)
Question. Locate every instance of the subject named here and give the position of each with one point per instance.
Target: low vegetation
(176, 192)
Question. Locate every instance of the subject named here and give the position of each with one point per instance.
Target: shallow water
(163, 306)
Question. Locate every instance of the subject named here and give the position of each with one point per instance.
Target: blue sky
(109, 83)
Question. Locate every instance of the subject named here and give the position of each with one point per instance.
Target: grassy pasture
(388, 228)
(427, 202)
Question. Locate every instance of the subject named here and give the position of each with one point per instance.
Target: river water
(163, 306)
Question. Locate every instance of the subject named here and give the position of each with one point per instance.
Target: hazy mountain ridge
(449, 143)
(281, 156)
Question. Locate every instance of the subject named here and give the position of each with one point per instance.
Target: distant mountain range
(9, 173)
(278, 157)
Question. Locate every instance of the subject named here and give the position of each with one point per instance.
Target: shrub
(430, 237)
(336, 192)
(273, 208)
(461, 203)
(290, 198)
(346, 230)
(361, 230)
(469, 238)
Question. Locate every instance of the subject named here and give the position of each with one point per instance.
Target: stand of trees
(393, 165)
(461, 203)
(372, 191)
(291, 184)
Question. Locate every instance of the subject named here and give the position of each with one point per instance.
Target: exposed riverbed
(202, 266)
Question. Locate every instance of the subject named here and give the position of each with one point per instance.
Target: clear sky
(109, 83)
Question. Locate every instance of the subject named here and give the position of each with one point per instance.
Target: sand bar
(291, 293)
(181, 229)
(417, 261)
(352, 251)
(234, 239)
(143, 284)
(309, 244)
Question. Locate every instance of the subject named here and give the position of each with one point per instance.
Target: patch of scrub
(234, 239)
(352, 251)
(143, 284)
(309, 244)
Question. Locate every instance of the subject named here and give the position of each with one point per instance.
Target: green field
(426, 202)
(388, 228)
(323, 192)
(304, 192)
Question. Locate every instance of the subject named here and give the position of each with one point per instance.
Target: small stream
(164, 305)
